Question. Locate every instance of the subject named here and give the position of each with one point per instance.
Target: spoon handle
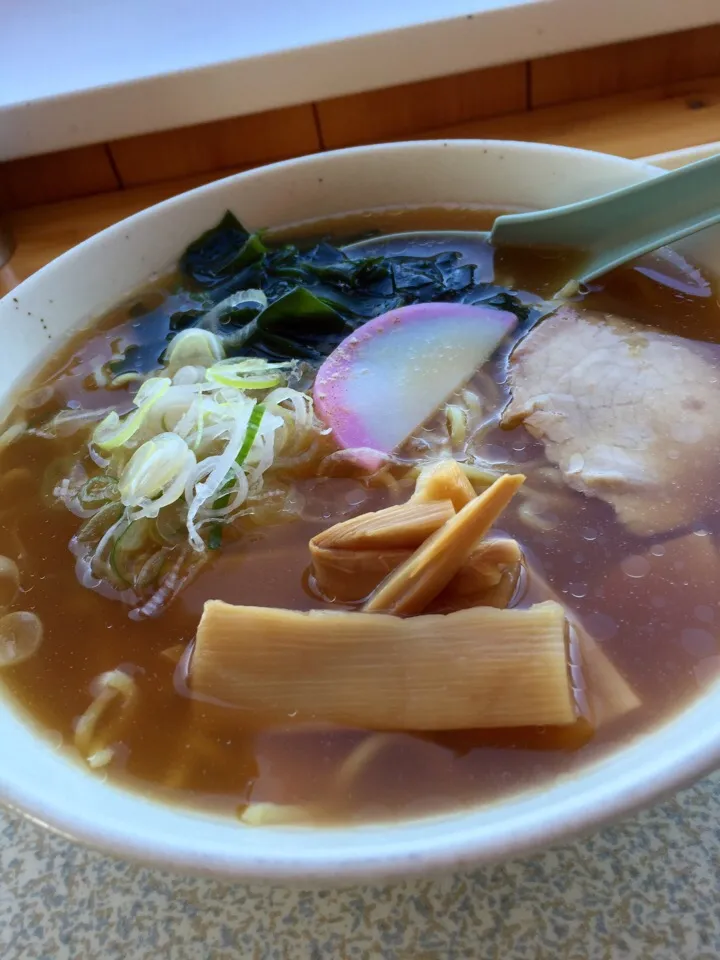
(620, 226)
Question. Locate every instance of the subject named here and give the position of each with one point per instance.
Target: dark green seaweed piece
(297, 324)
(182, 319)
(221, 251)
(317, 296)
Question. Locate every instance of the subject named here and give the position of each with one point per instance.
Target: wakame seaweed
(315, 296)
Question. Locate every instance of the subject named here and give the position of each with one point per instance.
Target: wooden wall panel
(42, 233)
(411, 108)
(56, 176)
(625, 67)
(240, 141)
(629, 125)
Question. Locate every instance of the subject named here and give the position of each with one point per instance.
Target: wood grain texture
(630, 125)
(411, 108)
(625, 67)
(43, 233)
(56, 176)
(240, 141)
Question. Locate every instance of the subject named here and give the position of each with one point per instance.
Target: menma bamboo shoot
(347, 576)
(608, 693)
(488, 577)
(351, 558)
(479, 668)
(416, 583)
(405, 526)
(444, 480)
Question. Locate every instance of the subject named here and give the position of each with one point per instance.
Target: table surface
(646, 889)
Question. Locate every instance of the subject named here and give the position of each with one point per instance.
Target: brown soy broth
(209, 756)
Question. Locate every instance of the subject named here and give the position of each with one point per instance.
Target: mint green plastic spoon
(617, 227)
(609, 230)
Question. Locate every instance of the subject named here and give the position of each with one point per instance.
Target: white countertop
(87, 71)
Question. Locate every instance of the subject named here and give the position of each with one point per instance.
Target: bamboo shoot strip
(444, 480)
(480, 668)
(351, 558)
(405, 526)
(348, 576)
(489, 577)
(609, 694)
(416, 583)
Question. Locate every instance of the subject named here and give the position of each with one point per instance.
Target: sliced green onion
(150, 572)
(100, 522)
(233, 302)
(179, 474)
(122, 379)
(156, 474)
(135, 536)
(170, 524)
(127, 546)
(214, 540)
(55, 480)
(252, 431)
(249, 374)
(114, 431)
(193, 348)
(225, 490)
(11, 434)
(21, 634)
(98, 490)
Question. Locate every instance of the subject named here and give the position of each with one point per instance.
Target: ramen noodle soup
(350, 522)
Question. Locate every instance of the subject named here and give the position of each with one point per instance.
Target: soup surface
(649, 599)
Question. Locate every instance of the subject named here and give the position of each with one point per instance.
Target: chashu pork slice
(628, 414)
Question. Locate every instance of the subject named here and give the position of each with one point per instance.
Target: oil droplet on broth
(699, 643)
(657, 550)
(685, 433)
(589, 533)
(704, 613)
(578, 590)
(601, 626)
(493, 453)
(635, 566)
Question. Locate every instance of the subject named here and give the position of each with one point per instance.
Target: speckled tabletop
(647, 889)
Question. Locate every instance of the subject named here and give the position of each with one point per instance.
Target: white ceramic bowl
(75, 288)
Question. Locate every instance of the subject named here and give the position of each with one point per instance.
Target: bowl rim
(431, 844)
